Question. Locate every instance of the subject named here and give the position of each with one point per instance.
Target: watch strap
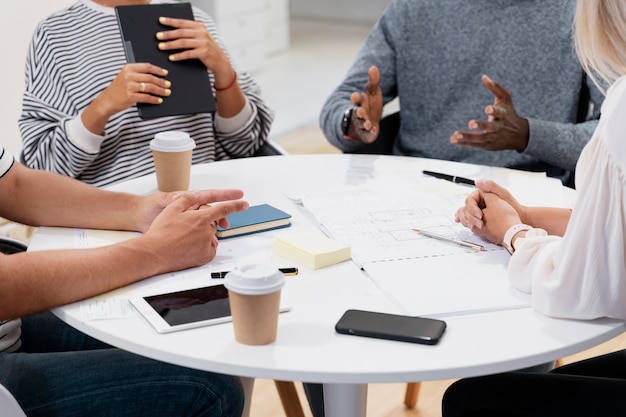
(510, 234)
(346, 121)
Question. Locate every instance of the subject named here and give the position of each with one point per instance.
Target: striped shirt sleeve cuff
(81, 137)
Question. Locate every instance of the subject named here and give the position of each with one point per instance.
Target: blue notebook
(256, 219)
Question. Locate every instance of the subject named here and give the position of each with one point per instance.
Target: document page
(379, 225)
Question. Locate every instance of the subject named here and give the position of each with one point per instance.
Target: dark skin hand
(502, 130)
(365, 124)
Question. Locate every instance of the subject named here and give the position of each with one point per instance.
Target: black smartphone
(391, 326)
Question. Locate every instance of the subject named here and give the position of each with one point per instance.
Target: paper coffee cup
(254, 295)
(172, 152)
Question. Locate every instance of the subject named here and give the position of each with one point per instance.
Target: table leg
(345, 400)
(248, 386)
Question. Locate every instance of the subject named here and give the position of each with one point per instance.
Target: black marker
(451, 178)
(286, 271)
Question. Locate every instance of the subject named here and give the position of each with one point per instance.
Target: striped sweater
(74, 55)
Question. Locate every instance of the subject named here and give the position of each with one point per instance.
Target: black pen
(452, 178)
(286, 271)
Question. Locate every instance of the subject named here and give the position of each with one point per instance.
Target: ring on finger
(142, 87)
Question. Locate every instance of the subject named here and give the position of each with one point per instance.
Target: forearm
(55, 200)
(552, 220)
(36, 281)
(229, 97)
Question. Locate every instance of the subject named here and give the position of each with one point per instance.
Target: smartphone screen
(391, 326)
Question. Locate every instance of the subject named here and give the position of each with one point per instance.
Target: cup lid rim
(254, 280)
(172, 141)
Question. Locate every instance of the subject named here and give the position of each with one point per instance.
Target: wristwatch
(346, 121)
(510, 234)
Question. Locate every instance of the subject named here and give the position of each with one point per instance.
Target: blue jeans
(63, 372)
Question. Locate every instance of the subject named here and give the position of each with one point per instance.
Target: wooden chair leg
(289, 398)
(412, 391)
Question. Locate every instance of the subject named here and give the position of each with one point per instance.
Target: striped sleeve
(74, 55)
(6, 162)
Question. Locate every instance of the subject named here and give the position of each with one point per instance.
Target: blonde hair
(600, 36)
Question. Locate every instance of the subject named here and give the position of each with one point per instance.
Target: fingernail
(160, 100)
(162, 19)
(168, 92)
(161, 45)
(160, 35)
(168, 84)
(172, 58)
(165, 72)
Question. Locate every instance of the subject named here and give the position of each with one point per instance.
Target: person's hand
(487, 213)
(135, 83)
(191, 40)
(151, 206)
(182, 235)
(503, 129)
(365, 124)
(471, 214)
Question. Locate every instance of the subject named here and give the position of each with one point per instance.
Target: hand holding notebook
(256, 219)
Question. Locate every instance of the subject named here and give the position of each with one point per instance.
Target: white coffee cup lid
(172, 141)
(254, 279)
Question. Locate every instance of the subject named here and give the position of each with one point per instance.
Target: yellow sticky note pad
(312, 250)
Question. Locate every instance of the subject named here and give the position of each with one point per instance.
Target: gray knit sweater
(432, 53)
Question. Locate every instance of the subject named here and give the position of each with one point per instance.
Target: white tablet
(187, 309)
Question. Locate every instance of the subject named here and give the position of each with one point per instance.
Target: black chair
(389, 128)
(9, 246)
(268, 149)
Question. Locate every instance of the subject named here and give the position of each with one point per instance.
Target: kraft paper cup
(254, 294)
(172, 152)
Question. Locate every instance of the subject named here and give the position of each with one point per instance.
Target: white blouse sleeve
(583, 274)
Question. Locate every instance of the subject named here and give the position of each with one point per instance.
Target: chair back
(8, 404)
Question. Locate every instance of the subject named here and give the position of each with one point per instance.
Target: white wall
(351, 10)
(17, 22)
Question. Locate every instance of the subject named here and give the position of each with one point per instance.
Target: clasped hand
(490, 211)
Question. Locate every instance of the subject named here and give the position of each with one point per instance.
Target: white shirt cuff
(81, 137)
(231, 124)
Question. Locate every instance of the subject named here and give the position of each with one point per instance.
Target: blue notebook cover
(256, 219)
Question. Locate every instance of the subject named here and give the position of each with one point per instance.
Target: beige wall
(17, 22)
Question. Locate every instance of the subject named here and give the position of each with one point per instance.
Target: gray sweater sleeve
(560, 144)
(377, 50)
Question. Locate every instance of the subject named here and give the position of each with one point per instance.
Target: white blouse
(583, 274)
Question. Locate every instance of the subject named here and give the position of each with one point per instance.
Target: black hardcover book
(191, 89)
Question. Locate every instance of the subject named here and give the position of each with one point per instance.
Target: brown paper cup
(254, 296)
(171, 152)
(172, 170)
(255, 317)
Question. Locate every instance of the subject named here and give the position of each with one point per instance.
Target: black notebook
(191, 89)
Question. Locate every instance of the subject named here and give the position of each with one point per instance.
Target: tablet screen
(188, 306)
